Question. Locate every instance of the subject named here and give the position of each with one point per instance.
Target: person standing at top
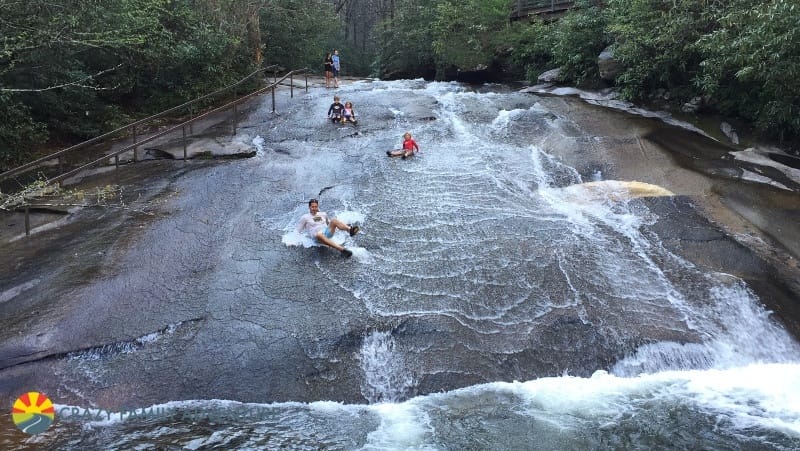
(328, 69)
(336, 68)
(321, 228)
(409, 148)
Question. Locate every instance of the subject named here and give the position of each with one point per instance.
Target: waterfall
(386, 376)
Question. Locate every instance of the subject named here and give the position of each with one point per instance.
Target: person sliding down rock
(320, 228)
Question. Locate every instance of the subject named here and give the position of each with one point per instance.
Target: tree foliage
(404, 41)
(751, 63)
(464, 31)
(298, 33)
(78, 68)
(74, 69)
(655, 41)
(577, 40)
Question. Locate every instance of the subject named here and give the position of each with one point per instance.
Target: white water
(489, 241)
(741, 404)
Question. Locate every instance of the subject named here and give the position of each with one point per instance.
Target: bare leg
(332, 226)
(338, 224)
(395, 153)
(328, 242)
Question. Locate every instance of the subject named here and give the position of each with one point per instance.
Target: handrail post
(273, 98)
(27, 220)
(235, 118)
(291, 84)
(184, 140)
(306, 74)
(135, 148)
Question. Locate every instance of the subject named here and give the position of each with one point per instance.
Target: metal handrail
(182, 125)
(522, 8)
(25, 167)
(232, 104)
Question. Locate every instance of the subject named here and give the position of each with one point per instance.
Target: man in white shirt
(319, 227)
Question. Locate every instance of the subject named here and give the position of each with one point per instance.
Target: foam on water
(258, 143)
(387, 378)
(737, 404)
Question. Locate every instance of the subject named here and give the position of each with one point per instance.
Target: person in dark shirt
(335, 111)
(328, 70)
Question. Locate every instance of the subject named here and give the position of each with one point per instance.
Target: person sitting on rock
(410, 147)
(348, 113)
(335, 111)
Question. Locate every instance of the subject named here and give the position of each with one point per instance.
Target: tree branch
(77, 83)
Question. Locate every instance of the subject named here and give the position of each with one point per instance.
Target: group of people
(332, 68)
(341, 113)
(321, 228)
(316, 223)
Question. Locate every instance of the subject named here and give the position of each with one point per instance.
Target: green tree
(532, 45)
(577, 39)
(82, 67)
(298, 33)
(404, 41)
(751, 64)
(655, 41)
(464, 32)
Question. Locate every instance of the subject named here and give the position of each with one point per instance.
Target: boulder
(551, 76)
(730, 132)
(608, 66)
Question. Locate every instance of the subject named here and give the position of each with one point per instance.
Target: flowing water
(507, 304)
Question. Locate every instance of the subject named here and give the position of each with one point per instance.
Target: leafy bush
(655, 41)
(464, 32)
(578, 38)
(532, 47)
(751, 64)
(80, 68)
(18, 131)
(298, 33)
(404, 46)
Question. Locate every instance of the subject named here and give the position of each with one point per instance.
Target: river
(525, 282)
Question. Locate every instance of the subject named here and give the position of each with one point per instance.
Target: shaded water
(483, 261)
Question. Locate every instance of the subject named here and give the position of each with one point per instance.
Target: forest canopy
(71, 70)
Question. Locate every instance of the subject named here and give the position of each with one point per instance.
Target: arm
(301, 225)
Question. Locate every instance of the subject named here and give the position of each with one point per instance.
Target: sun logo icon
(33, 412)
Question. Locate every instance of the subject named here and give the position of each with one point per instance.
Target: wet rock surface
(200, 298)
